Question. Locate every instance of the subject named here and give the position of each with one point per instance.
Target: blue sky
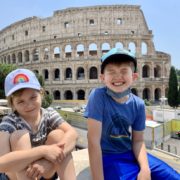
(162, 16)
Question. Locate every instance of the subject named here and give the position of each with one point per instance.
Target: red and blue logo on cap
(20, 78)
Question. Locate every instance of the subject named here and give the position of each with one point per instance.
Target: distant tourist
(116, 121)
(28, 128)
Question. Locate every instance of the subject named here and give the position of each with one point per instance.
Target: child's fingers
(33, 172)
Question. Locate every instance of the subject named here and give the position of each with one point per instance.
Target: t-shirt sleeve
(94, 108)
(55, 118)
(139, 123)
(7, 125)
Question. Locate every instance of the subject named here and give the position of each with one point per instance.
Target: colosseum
(66, 48)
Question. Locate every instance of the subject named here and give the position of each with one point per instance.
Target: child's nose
(28, 104)
(118, 75)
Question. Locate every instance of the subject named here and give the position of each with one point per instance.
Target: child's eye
(20, 102)
(33, 97)
(124, 71)
(111, 72)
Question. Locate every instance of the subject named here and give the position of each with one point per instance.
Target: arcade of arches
(66, 49)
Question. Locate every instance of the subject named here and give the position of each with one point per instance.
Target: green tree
(173, 89)
(47, 98)
(179, 96)
(178, 76)
(5, 69)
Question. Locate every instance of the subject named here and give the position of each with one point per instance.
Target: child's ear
(135, 76)
(102, 77)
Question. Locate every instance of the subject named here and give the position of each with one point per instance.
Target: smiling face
(27, 103)
(118, 76)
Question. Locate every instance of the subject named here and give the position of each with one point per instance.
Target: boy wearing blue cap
(116, 121)
(29, 126)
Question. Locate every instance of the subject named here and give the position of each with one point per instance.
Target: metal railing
(169, 149)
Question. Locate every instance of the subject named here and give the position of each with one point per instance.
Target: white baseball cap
(19, 79)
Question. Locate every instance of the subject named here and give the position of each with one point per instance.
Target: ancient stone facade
(66, 49)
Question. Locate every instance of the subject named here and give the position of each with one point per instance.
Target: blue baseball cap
(119, 55)
(19, 79)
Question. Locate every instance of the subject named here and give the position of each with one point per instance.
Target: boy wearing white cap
(29, 126)
(116, 121)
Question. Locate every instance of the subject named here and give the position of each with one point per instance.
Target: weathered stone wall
(66, 49)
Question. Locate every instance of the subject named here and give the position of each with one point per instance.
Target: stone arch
(68, 51)
(105, 47)
(56, 52)
(47, 92)
(119, 45)
(19, 57)
(68, 73)
(92, 49)
(146, 94)
(146, 71)
(80, 50)
(26, 56)
(56, 74)
(68, 95)
(157, 71)
(132, 47)
(93, 73)
(35, 55)
(5, 59)
(80, 94)
(144, 48)
(46, 74)
(46, 53)
(9, 59)
(57, 95)
(80, 73)
(13, 58)
(157, 94)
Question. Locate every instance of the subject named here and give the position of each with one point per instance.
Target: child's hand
(39, 169)
(144, 174)
(54, 153)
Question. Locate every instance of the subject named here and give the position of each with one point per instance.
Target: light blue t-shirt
(117, 119)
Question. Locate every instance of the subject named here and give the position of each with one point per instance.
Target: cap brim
(22, 86)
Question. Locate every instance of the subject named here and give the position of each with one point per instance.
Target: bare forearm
(95, 157)
(18, 160)
(139, 150)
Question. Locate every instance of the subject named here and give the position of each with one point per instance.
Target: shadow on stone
(84, 174)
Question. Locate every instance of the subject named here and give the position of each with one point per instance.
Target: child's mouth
(118, 83)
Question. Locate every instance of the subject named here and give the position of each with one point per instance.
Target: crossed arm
(18, 160)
